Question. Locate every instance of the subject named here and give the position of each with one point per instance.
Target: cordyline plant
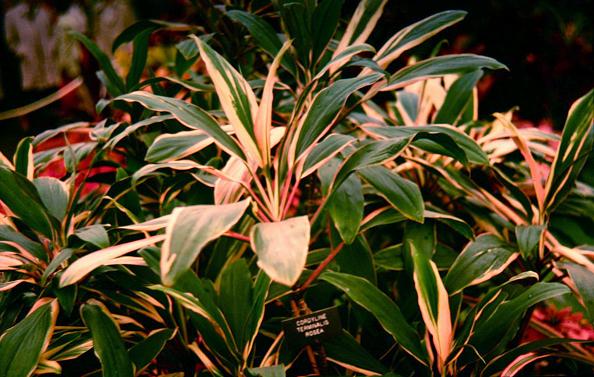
(327, 173)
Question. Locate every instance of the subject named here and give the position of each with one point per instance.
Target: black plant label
(317, 326)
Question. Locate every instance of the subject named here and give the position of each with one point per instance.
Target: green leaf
(296, 19)
(528, 238)
(198, 298)
(352, 355)
(264, 35)
(236, 97)
(356, 259)
(415, 34)
(347, 204)
(115, 139)
(189, 230)
(274, 371)
(457, 98)
(21, 346)
(480, 260)
(584, 282)
(9, 234)
(402, 194)
(410, 104)
(473, 151)
(235, 298)
(440, 66)
(22, 198)
(114, 82)
(340, 60)
(433, 302)
(188, 49)
(255, 315)
(388, 314)
(391, 258)
(576, 145)
(107, 341)
(420, 239)
(281, 248)
(168, 147)
(324, 151)
(62, 256)
(502, 361)
(323, 24)
(361, 23)
(132, 31)
(54, 196)
(23, 158)
(383, 216)
(95, 235)
(147, 349)
(373, 153)
(139, 56)
(492, 330)
(189, 115)
(453, 222)
(81, 267)
(325, 108)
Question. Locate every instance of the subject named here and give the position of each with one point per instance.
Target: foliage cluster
(272, 175)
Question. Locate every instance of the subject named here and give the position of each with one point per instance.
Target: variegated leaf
(282, 248)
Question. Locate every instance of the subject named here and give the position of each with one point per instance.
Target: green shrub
(327, 173)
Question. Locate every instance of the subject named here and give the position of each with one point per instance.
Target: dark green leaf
(324, 151)
(417, 33)
(488, 331)
(440, 66)
(22, 198)
(382, 307)
(499, 363)
(190, 115)
(114, 82)
(62, 256)
(457, 98)
(345, 349)
(9, 234)
(23, 158)
(141, 42)
(356, 259)
(274, 371)
(95, 235)
(528, 238)
(21, 345)
(147, 349)
(401, 193)
(473, 151)
(480, 260)
(167, 147)
(54, 195)
(347, 203)
(373, 153)
(264, 35)
(107, 342)
(324, 22)
(576, 145)
(325, 107)
(584, 282)
(235, 298)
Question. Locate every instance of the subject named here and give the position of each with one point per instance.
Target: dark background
(546, 44)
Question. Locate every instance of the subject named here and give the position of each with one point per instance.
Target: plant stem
(287, 205)
(314, 275)
(237, 236)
